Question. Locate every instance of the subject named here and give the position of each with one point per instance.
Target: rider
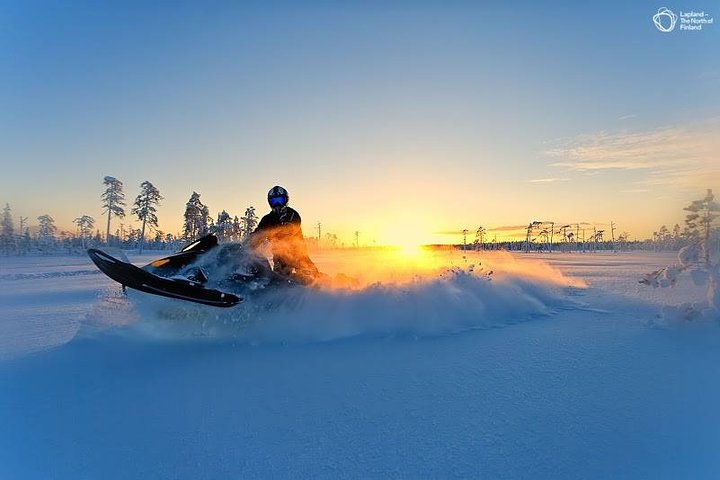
(281, 227)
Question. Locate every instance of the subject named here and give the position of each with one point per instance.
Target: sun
(408, 236)
(410, 250)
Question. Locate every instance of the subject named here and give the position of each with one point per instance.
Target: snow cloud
(396, 267)
(683, 156)
(437, 292)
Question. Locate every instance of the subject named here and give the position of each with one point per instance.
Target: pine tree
(695, 258)
(159, 236)
(133, 237)
(85, 226)
(248, 222)
(700, 222)
(676, 235)
(46, 232)
(113, 201)
(224, 227)
(144, 208)
(169, 239)
(25, 242)
(7, 232)
(196, 218)
(479, 241)
(236, 228)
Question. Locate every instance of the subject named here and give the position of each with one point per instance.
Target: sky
(405, 121)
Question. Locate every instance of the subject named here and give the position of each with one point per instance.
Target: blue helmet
(278, 197)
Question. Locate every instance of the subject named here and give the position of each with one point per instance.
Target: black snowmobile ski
(172, 264)
(141, 279)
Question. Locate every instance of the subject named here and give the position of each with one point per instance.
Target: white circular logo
(665, 20)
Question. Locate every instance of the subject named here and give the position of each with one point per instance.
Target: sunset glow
(414, 120)
(410, 250)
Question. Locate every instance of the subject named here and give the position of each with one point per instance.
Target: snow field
(412, 379)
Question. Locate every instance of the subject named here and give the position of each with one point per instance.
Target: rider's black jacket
(285, 216)
(281, 227)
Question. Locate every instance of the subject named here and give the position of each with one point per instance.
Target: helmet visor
(277, 201)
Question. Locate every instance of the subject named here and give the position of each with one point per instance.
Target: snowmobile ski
(168, 266)
(140, 279)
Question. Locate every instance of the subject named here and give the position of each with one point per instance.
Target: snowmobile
(203, 271)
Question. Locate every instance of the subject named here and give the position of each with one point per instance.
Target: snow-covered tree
(170, 239)
(236, 228)
(699, 221)
(133, 237)
(85, 226)
(113, 201)
(696, 257)
(24, 242)
(159, 238)
(120, 233)
(248, 222)
(676, 235)
(224, 226)
(46, 232)
(7, 232)
(196, 218)
(145, 208)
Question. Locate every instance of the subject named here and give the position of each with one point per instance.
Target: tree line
(548, 236)
(196, 222)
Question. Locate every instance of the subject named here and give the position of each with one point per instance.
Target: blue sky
(384, 117)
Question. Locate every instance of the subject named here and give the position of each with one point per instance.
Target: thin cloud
(549, 180)
(684, 156)
(627, 117)
(507, 228)
(451, 232)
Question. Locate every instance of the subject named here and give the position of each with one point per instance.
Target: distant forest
(540, 236)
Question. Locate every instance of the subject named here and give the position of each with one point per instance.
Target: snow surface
(557, 367)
